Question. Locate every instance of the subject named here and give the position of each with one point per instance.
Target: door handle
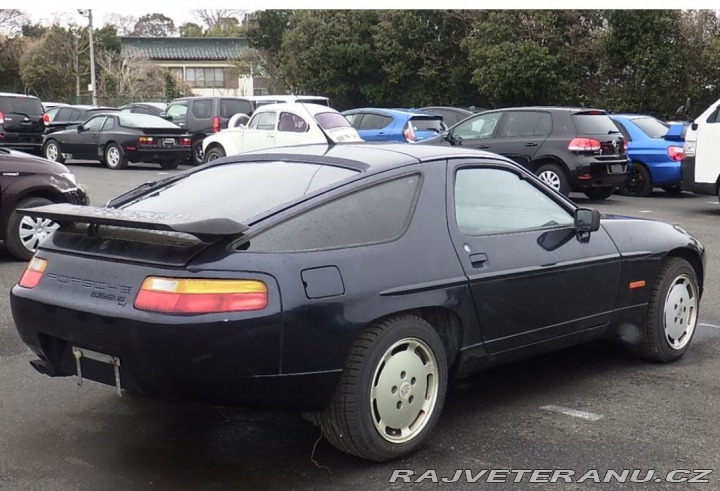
(478, 260)
(531, 144)
(483, 147)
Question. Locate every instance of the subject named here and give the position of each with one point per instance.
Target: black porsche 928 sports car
(117, 138)
(350, 281)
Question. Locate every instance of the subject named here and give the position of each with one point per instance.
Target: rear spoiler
(204, 228)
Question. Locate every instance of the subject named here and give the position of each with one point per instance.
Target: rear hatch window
(216, 192)
(22, 114)
(651, 127)
(426, 126)
(600, 127)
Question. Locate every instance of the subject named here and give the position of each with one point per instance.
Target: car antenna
(330, 141)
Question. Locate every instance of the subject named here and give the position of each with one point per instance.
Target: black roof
(551, 109)
(365, 157)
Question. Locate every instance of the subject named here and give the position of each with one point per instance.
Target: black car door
(532, 277)
(521, 134)
(86, 144)
(477, 132)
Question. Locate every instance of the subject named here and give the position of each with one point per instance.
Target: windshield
(132, 120)
(242, 190)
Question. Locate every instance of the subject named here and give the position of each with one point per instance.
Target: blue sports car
(394, 125)
(655, 150)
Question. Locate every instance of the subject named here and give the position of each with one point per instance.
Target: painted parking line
(646, 211)
(572, 412)
(704, 324)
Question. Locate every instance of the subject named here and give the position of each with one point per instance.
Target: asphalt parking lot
(634, 415)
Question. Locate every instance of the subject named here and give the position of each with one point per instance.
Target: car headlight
(70, 177)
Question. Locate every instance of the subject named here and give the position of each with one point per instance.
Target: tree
(47, 67)
(11, 50)
(154, 25)
(11, 21)
(211, 18)
(228, 27)
(190, 30)
(124, 24)
(33, 30)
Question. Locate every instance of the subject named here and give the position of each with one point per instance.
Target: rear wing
(206, 229)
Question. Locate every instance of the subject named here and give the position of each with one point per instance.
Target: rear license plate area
(97, 366)
(616, 169)
(168, 142)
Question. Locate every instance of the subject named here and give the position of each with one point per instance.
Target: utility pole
(92, 55)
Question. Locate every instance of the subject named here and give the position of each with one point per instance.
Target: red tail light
(33, 273)
(624, 146)
(46, 119)
(146, 140)
(2, 118)
(584, 145)
(184, 142)
(675, 153)
(409, 133)
(216, 124)
(201, 296)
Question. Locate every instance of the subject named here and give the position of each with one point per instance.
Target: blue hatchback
(394, 125)
(655, 150)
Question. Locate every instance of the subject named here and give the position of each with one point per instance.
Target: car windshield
(651, 127)
(21, 105)
(132, 120)
(329, 121)
(242, 190)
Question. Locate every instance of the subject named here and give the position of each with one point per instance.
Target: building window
(205, 77)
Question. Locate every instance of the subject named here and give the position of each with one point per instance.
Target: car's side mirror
(449, 137)
(80, 128)
(587, 220)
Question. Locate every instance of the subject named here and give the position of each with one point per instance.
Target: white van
(701, 161)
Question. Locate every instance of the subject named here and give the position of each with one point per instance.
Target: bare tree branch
(11, 20)
(212, 18)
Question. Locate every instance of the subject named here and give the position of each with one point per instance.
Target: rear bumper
(219, 362)
(591, 173)
(22, 141)
(687, 169)
(152, 154)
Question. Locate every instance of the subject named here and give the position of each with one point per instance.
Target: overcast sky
(100, 16)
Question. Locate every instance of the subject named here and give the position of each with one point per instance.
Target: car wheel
(639, 182)
(672, 189)
(114, 157)
(51, 151)
(197, 152)
(599, 193)
(215, 153)
(170, 164)
(391, 391)
(24, 233)
(554, 176)
(672, 312)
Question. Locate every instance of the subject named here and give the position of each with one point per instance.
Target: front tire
(215, 153)
(23, 233)
(672, 312)
(391, 391)
(554, 176)
(599, 193)
(52, 152)
(114, 157)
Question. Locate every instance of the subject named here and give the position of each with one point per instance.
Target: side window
(109, 124)
(95, 123)
(231, 107)
(177, 111)
(496, 200)
(480, 127)
(292, 123)
(374, 122)
(379, 213)
(252, 124)
(715, 116)
(202, 108)
(525, 124)
(52, 113)
(141, 110)
(354, 119)
(126, 109)
(266, 121)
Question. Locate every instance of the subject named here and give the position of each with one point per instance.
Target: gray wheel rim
(51, 152)
(33, 230)
(212, 156)
(113, 156)
(681, 309)
(551, 179)
(404, 390)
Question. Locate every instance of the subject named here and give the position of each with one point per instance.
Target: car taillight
(146, 140)
(584, 145)
(216, 124)
(46, 119)
(409, 133)
(200, 296)
(2, 118)
(184, 142)
(33, 273)
(675, 153)
(624, 146)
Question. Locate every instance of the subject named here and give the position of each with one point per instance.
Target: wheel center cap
(404, 390)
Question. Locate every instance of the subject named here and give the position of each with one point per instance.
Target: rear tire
(51, 151)
(554, 176)
(639, 182)
(23, 234)
(197, 152)
(216, 152)
(391, 391)
(599, 193)
(114, 157)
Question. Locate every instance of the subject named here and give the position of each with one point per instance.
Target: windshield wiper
(143, 189)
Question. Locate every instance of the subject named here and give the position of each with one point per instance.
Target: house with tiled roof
(205, 64)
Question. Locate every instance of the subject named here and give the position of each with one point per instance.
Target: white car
(281, 125)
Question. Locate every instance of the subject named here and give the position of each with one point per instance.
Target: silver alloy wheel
(113, 156)
(551, 179)
(34, 230)
(212, 156)
(52, 152)
(681, 309)
(404, 392)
